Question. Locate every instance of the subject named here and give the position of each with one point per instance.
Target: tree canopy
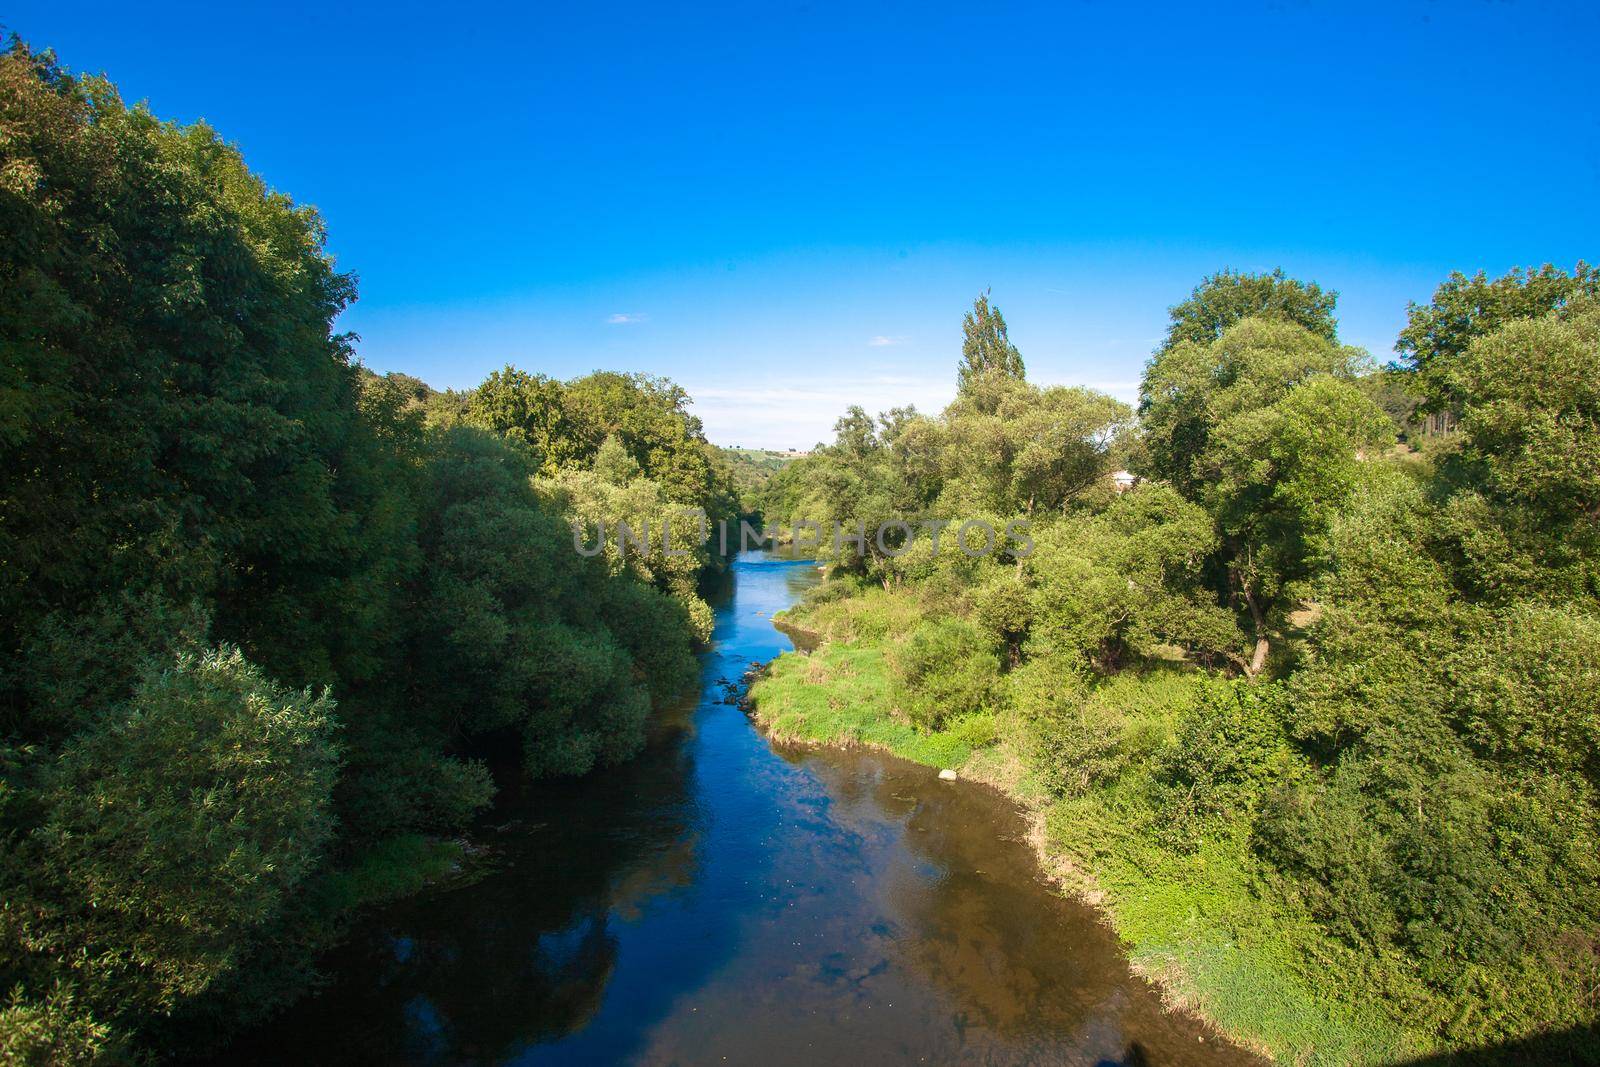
(985, 347)
(262, 610)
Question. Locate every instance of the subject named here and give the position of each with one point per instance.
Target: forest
(1310, 703)
(271, 625)
(1313, 707)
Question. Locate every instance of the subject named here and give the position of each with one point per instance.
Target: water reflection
(719, 898)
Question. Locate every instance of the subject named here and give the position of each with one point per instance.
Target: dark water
(724, 900)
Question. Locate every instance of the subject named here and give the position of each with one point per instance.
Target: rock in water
(947, 775)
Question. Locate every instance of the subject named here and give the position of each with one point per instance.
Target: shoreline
(1189, 927)
(1055, 869)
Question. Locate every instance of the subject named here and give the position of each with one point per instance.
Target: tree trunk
(1259, 658)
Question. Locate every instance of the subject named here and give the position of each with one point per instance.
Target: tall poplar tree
(985, 347)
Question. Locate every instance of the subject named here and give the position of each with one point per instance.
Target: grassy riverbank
(1195, 921)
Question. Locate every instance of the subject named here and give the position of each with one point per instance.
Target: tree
(1228, 297)
(193, 461)
(613, 464)
(1010, 446)
(1265, 429)
(520, 633)
(1465, 308)
(531, 412)
(179, 829)
(1128, 581)
(1530, 408)
(855, 434)
(1524, 517)
(985, 348)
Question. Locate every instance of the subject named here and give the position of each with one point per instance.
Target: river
(725, 899)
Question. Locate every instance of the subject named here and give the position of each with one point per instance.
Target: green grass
(872, 616)
(393, 868)
(842, 695)
(1194, 923)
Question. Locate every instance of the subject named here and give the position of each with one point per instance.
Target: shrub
(945, 667)
(1230, 747)
(179, 828)
(53, 1030)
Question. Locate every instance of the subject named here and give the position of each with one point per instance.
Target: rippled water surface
(722, 899)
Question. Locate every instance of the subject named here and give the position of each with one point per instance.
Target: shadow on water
(720, 898)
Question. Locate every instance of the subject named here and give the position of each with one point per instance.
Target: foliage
(1230, 745)
(530, 411)
(1464, 309)
(751, 469)
(206, 508)
(265, 614)
(520, 634)
(1223, 299)
(1009, 446)
(1379, 843)
(985, 348)
(175, 833)
(1265, 429)
(1129, 582)
(946, 667)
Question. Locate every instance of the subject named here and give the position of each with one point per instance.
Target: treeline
(264, 615)
(1318, 700)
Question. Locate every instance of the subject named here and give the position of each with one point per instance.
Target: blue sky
(786, 207)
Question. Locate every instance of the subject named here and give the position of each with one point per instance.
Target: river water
(725, 899)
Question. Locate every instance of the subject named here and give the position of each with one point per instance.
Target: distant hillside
(754, 467)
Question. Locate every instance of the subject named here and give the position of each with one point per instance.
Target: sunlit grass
(843, 695)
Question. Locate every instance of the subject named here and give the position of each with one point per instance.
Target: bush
(178, 830)
(1230, 748)
(946, 667)
(1528, 691)
(53, 1030)
(1409, 848)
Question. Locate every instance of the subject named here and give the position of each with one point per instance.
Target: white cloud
(881, 341)
(622, 318)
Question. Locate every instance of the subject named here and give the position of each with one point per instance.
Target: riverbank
(724, 898)
(1192, 922)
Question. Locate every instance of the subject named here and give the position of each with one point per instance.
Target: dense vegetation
(267, 619)
(1315, 706)
(752, 469)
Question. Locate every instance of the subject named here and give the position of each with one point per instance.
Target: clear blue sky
(786, 207)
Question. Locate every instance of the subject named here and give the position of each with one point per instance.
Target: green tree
(178, 830)
(985, 347)
(1128, 582)
(613, 464)
(1266, 430)
(193, 459)
(1465, 308)
(1228, 297)
(532, 413)
(1010, 446)
(1524, 517)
